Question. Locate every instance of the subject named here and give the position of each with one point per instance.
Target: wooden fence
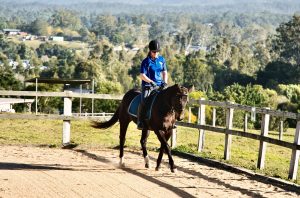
(228, 131)
(201, 125)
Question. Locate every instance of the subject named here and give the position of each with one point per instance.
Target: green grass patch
(244, 151)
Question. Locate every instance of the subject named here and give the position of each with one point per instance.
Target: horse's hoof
(147, 166)
(122, 165)
(157, 169)
(147, 162)
(121, 162)
(174, 170)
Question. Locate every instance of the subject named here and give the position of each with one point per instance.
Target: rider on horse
(153, 73)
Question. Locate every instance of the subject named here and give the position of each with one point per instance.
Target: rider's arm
(165, 76)
(145, 78)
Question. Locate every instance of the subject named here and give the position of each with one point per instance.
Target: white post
(190, 114)
(214, 117)
(67, 123)
(80, 100)
(93, 90)
(295, 155)
(262, 144)
(281, 130)
(228, 137)
(245, 122)
(201, 121)
(36, 97)
(173, 138)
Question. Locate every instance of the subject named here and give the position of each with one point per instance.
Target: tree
(285, 69)
(175, 69)
(221, 52)
(277, 72)
(8, 80)
(134, 71)
(40, 27)
(156, 30)
(287, 41)
(197, 72)
(65, 19)
(105, 25)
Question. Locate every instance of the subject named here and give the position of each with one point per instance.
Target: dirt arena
(51, 172)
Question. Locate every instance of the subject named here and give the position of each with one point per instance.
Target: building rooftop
(15, 100)
(59, 81)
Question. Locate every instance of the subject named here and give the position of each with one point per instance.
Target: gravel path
(50, 172)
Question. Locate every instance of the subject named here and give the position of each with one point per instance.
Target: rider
(153, 73)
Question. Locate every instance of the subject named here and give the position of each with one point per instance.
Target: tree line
(247, 59)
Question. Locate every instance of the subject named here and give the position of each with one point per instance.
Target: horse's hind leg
(123, 130)
(145, 135)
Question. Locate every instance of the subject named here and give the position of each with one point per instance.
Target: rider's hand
(153, 84)
(163, 85)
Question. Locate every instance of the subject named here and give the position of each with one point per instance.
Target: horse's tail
(109, 123)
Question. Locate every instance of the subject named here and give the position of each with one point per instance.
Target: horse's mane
(168, 92)
(165, 95)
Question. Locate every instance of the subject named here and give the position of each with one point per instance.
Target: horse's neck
(165, 96)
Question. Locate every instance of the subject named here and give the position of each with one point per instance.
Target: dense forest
(244, 51)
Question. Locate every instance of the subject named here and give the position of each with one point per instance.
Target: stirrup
(140, 126)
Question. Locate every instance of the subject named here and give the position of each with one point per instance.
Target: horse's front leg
(145, 135)
(163, 138)
(159, 158)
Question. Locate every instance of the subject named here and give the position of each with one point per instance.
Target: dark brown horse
(168, 107)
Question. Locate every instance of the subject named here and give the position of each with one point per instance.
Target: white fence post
(201, 121)
(281, 130)
(245, 122)
(190, 115)
(173, 138)
(228, 137)
(262, 144)
(67, 123)
(214, 115)
(295, 155)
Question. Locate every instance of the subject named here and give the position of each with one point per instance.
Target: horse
(168, 106)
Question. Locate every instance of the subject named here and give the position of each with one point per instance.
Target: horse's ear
(191, 88)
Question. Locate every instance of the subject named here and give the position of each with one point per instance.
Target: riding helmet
(154, 45)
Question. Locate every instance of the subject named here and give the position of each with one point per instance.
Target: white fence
(262, 138)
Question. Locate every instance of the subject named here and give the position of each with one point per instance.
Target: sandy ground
(44, 172)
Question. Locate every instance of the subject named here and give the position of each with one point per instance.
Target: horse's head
(179, 99)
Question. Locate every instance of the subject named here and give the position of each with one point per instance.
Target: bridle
(180, 96)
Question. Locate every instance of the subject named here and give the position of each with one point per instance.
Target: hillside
(161, 6)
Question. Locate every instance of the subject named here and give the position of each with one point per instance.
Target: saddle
(149, 101)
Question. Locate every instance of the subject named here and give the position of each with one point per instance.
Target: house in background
(56, 38)
(11, 32)
(7, 103)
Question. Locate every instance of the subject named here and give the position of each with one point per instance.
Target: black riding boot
(141, 116)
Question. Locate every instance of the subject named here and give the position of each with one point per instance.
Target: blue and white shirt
(153, 68)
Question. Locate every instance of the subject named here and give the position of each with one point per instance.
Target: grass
(49, 133)
(244, 152)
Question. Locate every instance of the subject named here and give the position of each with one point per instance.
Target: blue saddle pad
(134, 105)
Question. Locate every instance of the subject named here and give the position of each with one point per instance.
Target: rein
(173, 107)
